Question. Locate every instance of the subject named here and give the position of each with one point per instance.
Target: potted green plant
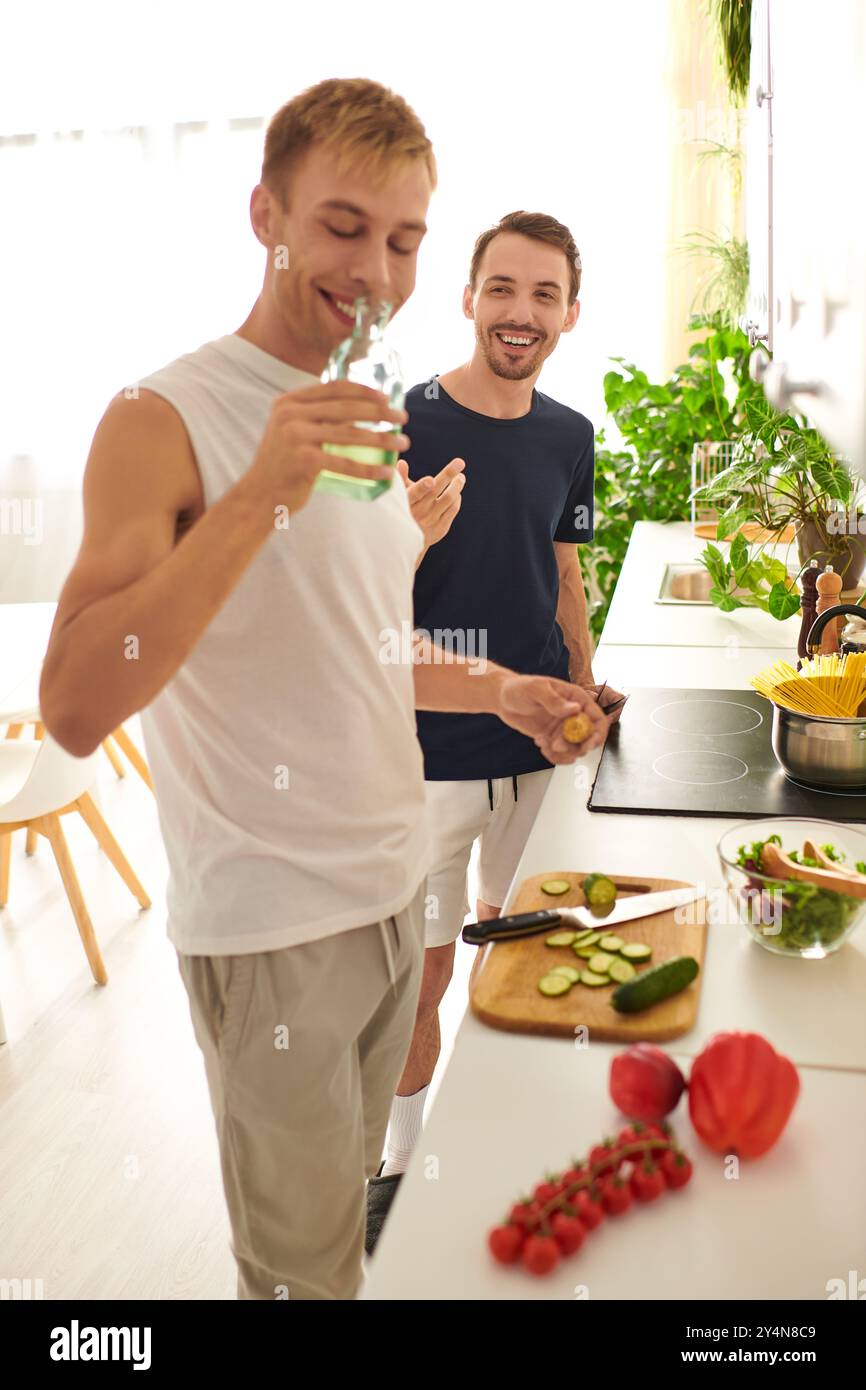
(782, 474)
(648, 477)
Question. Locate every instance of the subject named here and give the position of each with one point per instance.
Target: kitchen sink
(687, 583)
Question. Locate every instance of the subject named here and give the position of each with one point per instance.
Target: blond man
(242, 612)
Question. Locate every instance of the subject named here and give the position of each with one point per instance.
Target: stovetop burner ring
(700, 753)
(755, 718)
(824, 791)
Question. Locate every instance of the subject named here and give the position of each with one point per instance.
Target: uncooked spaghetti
(827, 686)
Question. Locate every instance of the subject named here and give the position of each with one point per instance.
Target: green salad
(810, 915)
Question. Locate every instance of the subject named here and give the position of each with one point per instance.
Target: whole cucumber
(651, 986)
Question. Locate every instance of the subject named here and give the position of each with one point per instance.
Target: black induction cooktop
(704, 753)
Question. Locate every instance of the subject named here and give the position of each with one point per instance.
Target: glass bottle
(365, 357)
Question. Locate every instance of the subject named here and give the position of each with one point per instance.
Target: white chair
(39, 783)
(20, 706)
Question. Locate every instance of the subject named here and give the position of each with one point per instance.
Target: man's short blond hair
(372, 131)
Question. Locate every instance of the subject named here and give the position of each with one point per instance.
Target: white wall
(113, 264)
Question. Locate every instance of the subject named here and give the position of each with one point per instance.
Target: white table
(512, 1106)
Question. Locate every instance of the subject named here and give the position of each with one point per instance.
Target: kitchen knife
(627, 910)
(504, 928)
(614, 705)
(641, 905)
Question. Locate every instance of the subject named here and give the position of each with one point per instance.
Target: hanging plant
(733, 20)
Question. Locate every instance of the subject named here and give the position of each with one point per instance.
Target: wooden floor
(109, 1173)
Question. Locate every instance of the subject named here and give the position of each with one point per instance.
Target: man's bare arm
(134, 604)
(534, 705)
(571, 613)
(131, 581)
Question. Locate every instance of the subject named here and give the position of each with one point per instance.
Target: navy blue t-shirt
(493, 581)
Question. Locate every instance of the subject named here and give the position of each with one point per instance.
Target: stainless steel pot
(825, 753)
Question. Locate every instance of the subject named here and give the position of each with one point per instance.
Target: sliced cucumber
(599, 890)
(600, 909)
(589, 938)
(600, 963)
(621, 970)
(554, 984)
(589, 977)
(652, 986)
(586, 950)
(611, 943)
(560, 938)
(636, 951)
(568, 971)
(555, 887)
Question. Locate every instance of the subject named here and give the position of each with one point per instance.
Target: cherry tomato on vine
(568, 1232)
(676, 1167)
(647, 1181)
(540, 1254)
(506, 1243)
(616, 1195)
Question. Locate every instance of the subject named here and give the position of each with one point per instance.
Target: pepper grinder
(829, 588)
(808, 605)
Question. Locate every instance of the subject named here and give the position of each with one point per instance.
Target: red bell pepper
(741, 1094)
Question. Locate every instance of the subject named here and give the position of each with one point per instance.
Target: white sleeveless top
(288, 775)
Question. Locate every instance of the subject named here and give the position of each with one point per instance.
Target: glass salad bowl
(789, 916)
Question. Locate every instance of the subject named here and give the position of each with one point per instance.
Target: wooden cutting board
(504, 987)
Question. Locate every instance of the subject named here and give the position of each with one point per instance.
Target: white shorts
(457, 814)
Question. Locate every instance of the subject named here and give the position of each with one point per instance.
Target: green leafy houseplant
(649, 477)
(782, 474)
(725, 285)
(733, 19)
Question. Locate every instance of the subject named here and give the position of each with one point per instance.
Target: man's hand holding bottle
(291, 456)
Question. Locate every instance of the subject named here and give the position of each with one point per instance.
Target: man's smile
(516, 344)
(342, 309)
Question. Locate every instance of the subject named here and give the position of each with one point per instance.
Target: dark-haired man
(507, 578)
(284, 754)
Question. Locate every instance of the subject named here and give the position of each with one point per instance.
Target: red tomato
(604, 1153)
(506, 1243)
(630, 1134)
(657, 1132)
(540, 1254)
(546, 1191)
(645, 1083)
(568, 1232)
(616, 1195)
(573, 1175)
(523, 1214)
(676, 1167)
(741, 1094)
(647, 1181)
(589, 1209)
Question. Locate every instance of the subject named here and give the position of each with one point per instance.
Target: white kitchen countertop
(791, 1221)
(792, 1002)
(744, 985)
(512, 1106)
(635, 618)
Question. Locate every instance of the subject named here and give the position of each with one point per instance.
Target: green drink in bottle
(366, 358)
